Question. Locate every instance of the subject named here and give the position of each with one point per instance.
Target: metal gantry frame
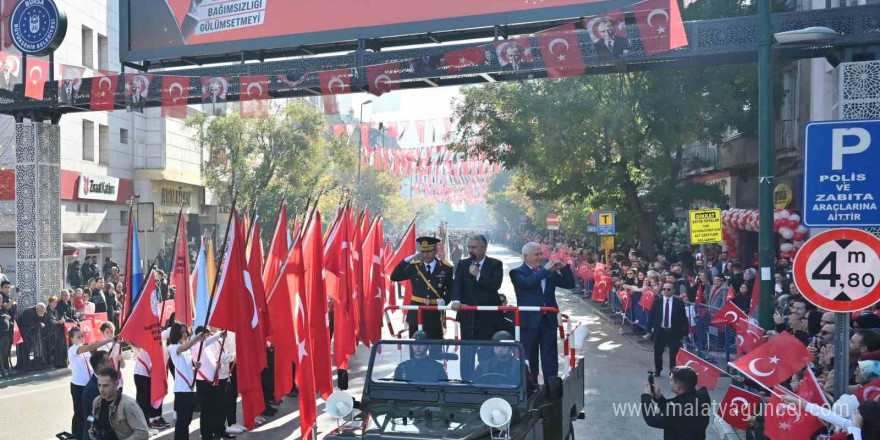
(719, 41)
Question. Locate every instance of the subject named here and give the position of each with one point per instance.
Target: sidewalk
(44, 374)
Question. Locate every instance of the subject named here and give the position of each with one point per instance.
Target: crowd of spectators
(709, 280)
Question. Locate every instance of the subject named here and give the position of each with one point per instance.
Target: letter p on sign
(838, 149)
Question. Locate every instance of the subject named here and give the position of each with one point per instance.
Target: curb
(34, 377)
(724, 430)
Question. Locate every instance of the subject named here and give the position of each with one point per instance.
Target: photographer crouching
(685, 416)
(116, 416)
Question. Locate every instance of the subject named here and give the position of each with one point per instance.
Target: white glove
(441, 302)
(411, 257)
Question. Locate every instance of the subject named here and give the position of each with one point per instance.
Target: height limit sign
(705, 226)
(838, 270)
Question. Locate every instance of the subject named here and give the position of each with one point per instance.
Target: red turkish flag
(337, 263)
(180, 276)
(305, 350)
(104, 90)
(143, 328)
(647, 300)
(738, 405)
(374, 294)
(561, 52)
(784, 421)
(775, 361)
(748, 337)
(383, 78)
(406, 248)
(278, 249)
(729, 314)
(16, 334)
(660, 26)
(707, 374)
(461, 59)
(37, 73)
(234, 310)
(420, 131)
(601, 289)
(254, 96)
(355, 274)
(870, 391)
(625, 301)
(700, 299)
(255, 268)
(313, 252)
(175, 95)
(811, 391)
(281, 300)
(335, 82)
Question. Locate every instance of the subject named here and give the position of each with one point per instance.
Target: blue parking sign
(841, 175)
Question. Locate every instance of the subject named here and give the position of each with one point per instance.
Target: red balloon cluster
(785, 222)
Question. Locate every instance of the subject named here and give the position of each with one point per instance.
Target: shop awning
(87, 245)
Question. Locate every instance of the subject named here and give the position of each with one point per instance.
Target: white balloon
(786, 233)
(784, 213)
(795, 217)
(786, 247)
(798, 244)
(802, 229)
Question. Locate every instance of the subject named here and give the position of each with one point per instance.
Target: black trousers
(78, 421)
(230, 398)
(184, 405)
(665, 338)
(267, 377)
(432, 323)
(212, 409)
(142, 395)
(5, 351)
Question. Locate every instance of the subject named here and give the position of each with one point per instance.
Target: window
(103, 53)
(103, 145)
(123, 218)
(123, 136)
(88, 141)
(87, 49)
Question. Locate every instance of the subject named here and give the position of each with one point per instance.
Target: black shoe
(293, 393)
(226, 435)
(270, 412)
(657, 374)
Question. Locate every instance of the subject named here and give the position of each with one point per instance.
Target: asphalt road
(616, 367)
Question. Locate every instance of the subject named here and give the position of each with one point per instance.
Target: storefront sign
(92, 187)
(782, 196)
(176, 197)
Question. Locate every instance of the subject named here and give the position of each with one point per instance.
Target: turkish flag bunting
(143, 329)
(561, 52)
(175, 95)
(37, 73)
(738, 405)
(707, 374)
(104, 90)
(183, 295)
(647, 299)
(313, 250)
(784, 421)
(870, 391)
(365, 134)
(383, 78)
(660, 26)
(420, 130)
(601, 289)
(461, 59)
(775, 361)
(335, 82)
(254, 97)
(234, 310)
(748, 337)
(729, 314)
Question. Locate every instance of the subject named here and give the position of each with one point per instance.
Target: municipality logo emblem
(37, 27)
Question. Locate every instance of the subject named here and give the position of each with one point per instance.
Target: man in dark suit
(685, 416)
(98, 296)
(476, 283)
(611, 44)
(134, 101)
(669, 323)
(431, 280)
(536, 286)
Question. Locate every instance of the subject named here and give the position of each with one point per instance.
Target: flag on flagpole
(738, 405)
(707, 374)
(305, 377)
(729, 314)
(180, 272)
(313, 250)
(144, 329)
(406, 248)
(201, 286)
(775, 361)
(37, 73)
(134, 275)
(281, 299)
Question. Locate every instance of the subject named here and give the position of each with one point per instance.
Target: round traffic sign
(839, 270)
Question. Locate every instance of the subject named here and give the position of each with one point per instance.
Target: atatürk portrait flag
(214, 90)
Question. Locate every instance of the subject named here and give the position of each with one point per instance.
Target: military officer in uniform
(420, 368)
(431, 282)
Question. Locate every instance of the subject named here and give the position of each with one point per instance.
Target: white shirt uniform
(183, 369)
(210, 351)
(228, 355)
(113, 356)
(79, 366)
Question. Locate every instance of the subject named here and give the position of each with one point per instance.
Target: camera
(96, 432)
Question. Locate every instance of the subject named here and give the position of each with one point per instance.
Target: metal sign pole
(841, 354)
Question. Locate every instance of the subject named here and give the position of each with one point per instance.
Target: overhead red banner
(383, 78)
(175, 93)
(104, 90)
(335, 82)
(660, 25)
(561, 52)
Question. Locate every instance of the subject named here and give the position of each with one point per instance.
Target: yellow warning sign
(607, 242)
(705, 226)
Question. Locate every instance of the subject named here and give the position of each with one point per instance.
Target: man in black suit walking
(669, 323)
(476, 283)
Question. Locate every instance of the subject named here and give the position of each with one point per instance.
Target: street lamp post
(765, 161)
(361, 139)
